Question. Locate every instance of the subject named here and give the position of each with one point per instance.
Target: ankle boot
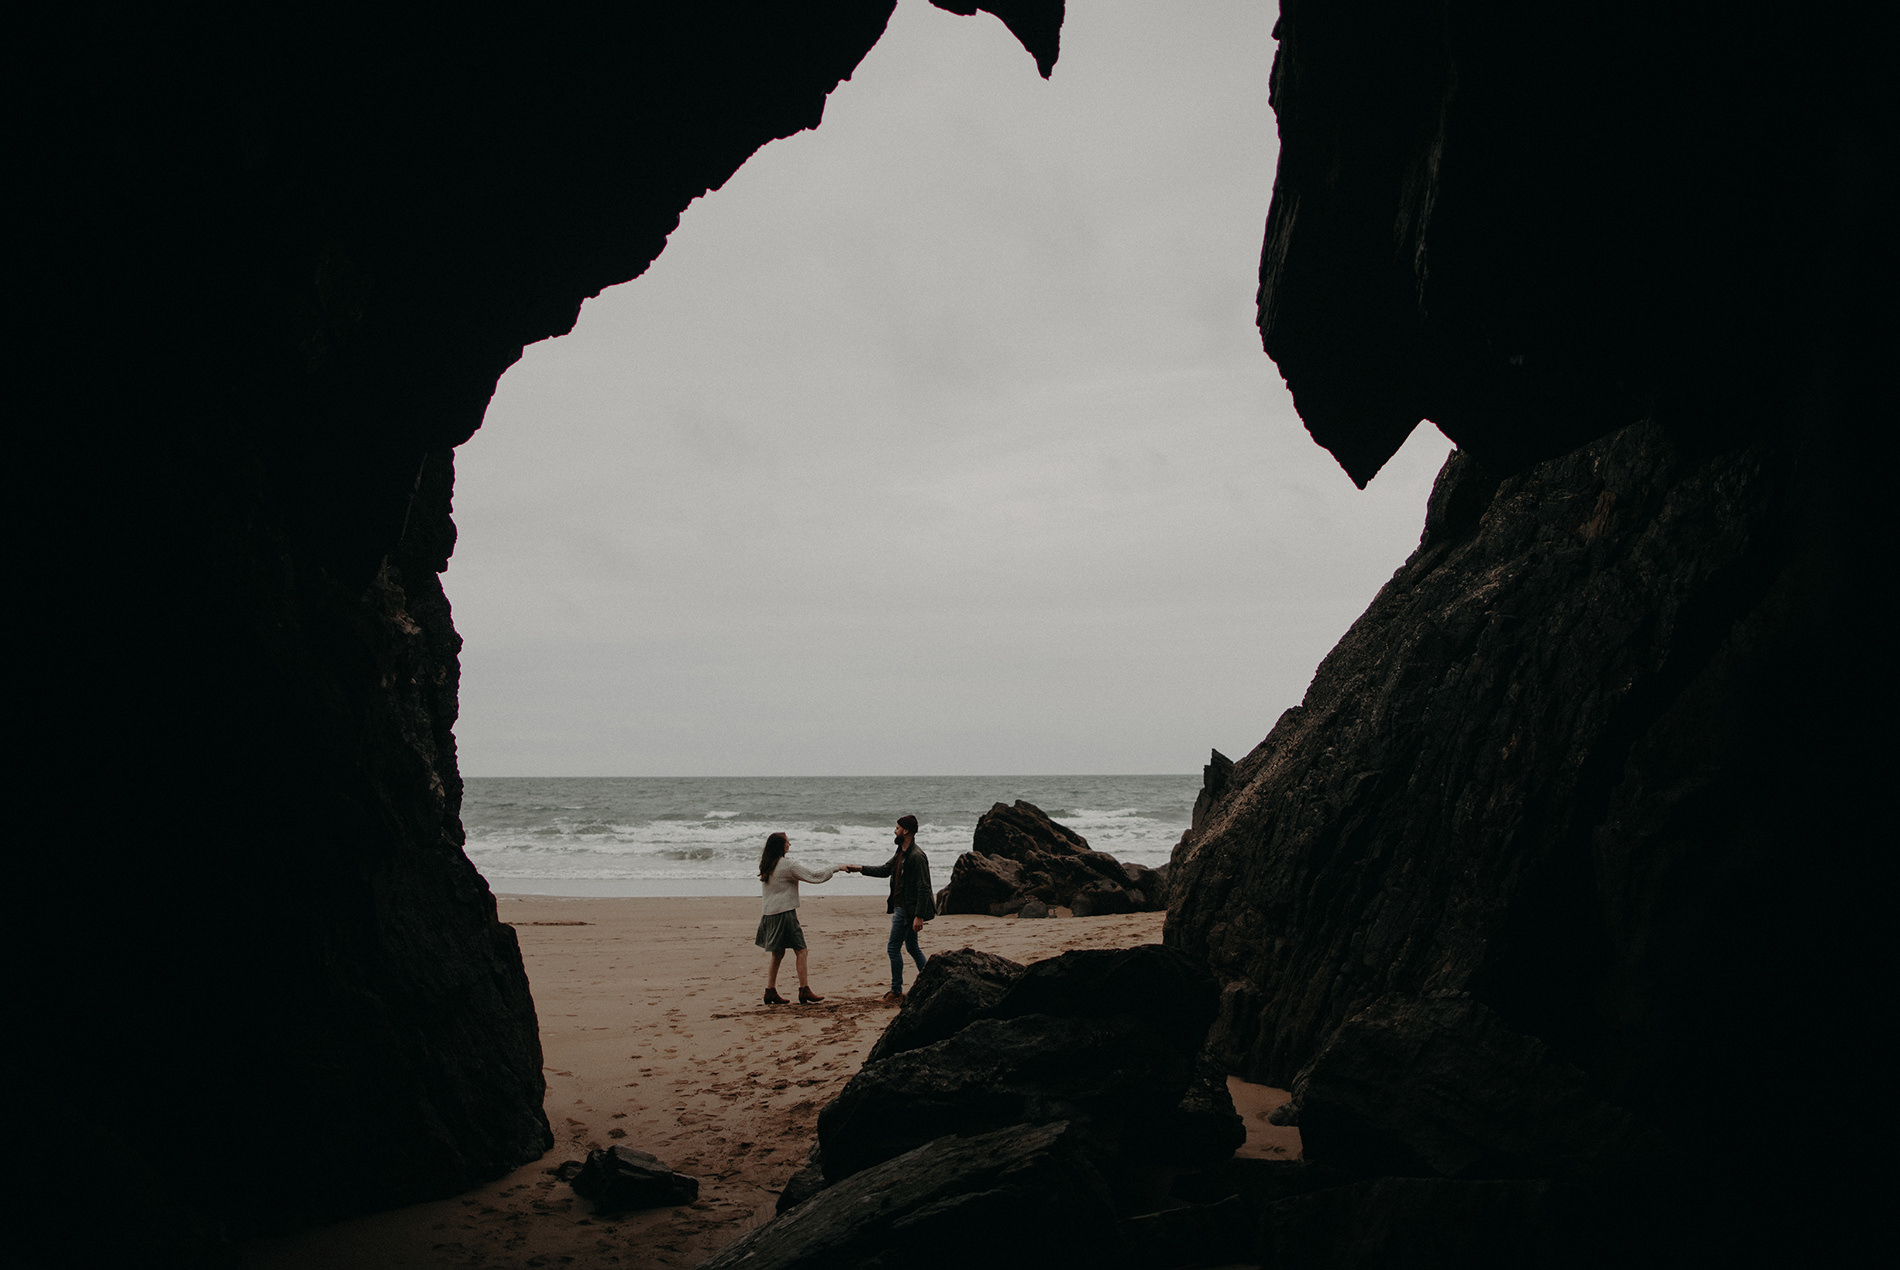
(806, 995)
(773, 998)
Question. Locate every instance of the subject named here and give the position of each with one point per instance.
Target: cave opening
(955, 401)
(280, 265)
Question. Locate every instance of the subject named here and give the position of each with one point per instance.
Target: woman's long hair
(775, 847)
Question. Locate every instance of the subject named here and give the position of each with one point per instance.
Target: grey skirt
(780, 931)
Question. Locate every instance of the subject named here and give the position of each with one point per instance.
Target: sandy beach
(654, 1037)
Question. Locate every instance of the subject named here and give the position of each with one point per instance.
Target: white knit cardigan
(781, 891)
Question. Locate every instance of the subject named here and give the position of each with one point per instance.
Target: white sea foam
(683, 836)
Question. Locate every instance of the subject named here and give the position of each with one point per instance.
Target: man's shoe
(773, 998)
(893, 996)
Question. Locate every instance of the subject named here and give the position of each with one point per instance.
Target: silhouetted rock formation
(279, 257)
(1018, 855)
(954, 988)
(993, 1073)
(619, 1179)
(1520, 845)
(1037, 23)
(1561, 861)
(1103, 1047)
(1002, 1198)
(1534, 228)
(1215, 774)
(1441, 1087)
(1107, 1039)
(1438, 1224)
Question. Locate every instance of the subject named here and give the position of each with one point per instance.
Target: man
(912, 902)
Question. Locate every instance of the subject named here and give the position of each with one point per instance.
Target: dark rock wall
(1561, 764)
(1591, 781)
(1531, 224)
(275, 260)
(1456, 752)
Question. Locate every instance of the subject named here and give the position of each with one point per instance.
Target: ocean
(581, 835)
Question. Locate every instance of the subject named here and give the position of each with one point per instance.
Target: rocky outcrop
(1215, 775)
(1018, 856)
(1115, 1074)
(1037, 23)
(1107, 1040)
(1558, 860)
(1554, 746)
(998, 1198)
(621, 1179)
(1452, 237)
(1100, 1050)
(1440, 1087)
(1026, 1196)
(954, 988)
(280, 257)
(1440, 1224)
(1457, 751)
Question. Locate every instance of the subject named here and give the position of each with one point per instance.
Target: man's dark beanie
(909, 823)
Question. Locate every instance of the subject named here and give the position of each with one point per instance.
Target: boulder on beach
(954, 988)
(1023, 1195)
(620, 1178)
(1109, 1040)
(1022, 1116)
(1109, 1075)
(1019, 857)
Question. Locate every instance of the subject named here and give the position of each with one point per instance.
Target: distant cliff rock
(1018, 855)
(1215, 775)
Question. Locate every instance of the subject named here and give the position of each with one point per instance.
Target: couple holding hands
(912, 903)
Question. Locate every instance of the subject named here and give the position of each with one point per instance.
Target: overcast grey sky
(939, 441)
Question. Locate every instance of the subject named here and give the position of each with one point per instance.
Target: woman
(779, 877)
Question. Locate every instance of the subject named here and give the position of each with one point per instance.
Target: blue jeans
(903, 938)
